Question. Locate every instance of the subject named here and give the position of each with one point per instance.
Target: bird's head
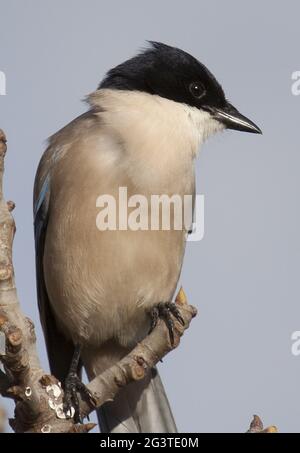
(173, 74)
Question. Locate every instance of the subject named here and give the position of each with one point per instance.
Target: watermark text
(296, 84)
(2, 84)
(154, 212)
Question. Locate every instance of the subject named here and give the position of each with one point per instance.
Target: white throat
(158, 134)
(137, 109)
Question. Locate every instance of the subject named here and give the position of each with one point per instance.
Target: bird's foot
(73, 385)
(165, 311)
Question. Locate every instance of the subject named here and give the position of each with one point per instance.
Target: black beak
(233, 119)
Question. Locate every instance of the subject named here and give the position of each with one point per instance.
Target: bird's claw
(165, 310)
(73, 385)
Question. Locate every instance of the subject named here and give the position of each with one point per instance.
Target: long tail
(140, 407)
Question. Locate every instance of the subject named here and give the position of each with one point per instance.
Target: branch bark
(2, 420)
(38, 396)
(256, 426)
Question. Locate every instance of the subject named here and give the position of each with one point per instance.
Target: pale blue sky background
(236, 359)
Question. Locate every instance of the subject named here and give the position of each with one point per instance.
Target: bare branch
(2, 420)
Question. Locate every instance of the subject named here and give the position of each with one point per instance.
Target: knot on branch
(256, 426)
(11, 205)
(6, 271)
(15, 359)
(3, 142)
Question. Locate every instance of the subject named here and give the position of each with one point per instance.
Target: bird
(100, 291)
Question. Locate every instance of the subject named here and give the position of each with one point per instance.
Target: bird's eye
(197, 89)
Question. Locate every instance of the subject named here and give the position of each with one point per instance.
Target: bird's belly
(102, 284)
(106, 285)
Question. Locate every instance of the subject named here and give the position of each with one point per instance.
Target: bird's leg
(73, 385)
(165, 311)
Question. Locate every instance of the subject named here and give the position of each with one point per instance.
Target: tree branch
(38, 396)
(2, 420)
(256, 426)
